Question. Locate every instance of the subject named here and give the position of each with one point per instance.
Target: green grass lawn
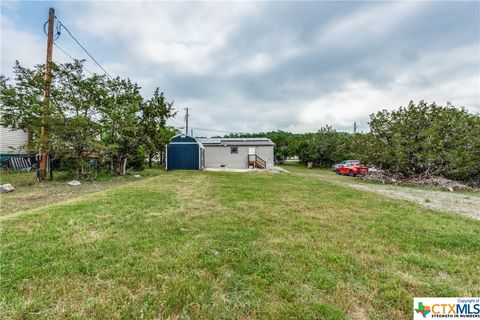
(218, 245)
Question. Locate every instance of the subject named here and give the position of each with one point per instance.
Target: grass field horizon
(192, 244)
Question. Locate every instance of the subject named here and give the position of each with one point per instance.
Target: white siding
(15, 139)
(216, 156)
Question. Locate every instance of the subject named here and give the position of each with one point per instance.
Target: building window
(234, 149)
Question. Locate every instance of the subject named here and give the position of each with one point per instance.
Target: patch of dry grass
(38, 195)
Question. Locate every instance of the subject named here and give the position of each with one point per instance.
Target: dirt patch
(270, 170)
(29, 198)
(33, 198)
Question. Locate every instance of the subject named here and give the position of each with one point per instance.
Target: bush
(137, 159)
(423, 139)
(324, 147)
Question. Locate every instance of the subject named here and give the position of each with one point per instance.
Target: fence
(18, 170)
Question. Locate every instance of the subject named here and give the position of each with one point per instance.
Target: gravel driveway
(438, 200)
(457, 202)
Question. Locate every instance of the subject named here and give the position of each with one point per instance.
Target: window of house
(234, 149)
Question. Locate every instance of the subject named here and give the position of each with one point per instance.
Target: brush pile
(387, 177)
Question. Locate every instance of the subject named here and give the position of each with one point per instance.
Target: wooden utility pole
(44, 167)
(186, 122)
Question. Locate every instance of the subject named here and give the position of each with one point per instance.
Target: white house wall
(15, 139)
(216, 156)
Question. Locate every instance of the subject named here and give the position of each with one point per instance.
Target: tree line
(89, 119)
(107, 121)
(415, 140)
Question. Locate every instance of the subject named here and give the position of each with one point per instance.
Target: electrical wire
(212, 130)
(177, 123)
(182, 126)
(61, 25)
(57, 34)
(66, 53)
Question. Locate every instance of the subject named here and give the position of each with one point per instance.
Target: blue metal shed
(185, 153)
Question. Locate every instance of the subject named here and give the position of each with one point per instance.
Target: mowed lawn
(213, 245)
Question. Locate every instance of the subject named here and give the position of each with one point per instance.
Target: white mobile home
(238, 153)
(12, 141)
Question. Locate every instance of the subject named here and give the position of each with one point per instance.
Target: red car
(351, 168)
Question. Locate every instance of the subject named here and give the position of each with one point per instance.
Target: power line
(181, 126)
(186, 126)
(212, 130)
(176, 122)
(66, 53)
(61, 25)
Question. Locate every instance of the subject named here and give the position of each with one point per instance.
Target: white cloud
(17, 44)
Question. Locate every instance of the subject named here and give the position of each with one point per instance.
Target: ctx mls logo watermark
(451, 308)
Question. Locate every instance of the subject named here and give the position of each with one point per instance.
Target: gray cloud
(290, 66)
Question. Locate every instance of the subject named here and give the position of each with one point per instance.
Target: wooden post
(43, 168)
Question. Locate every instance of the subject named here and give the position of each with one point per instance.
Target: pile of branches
(425, 179)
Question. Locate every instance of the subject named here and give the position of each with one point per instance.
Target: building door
(183, 156)
(251, 151)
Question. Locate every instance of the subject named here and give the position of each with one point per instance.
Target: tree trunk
(150, 158)
(122, 167)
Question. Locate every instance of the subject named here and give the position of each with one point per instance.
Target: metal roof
(237, 141)
(185, 135)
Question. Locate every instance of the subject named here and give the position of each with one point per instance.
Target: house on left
(12, 143)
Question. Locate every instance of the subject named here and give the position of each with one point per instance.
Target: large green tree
(87, 116)
(120, 120)
(21, 101)
(76, 135)
(324, 147)
(154, 115)
(69, 118)
(424, 139)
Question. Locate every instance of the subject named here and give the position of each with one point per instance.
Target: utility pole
(355, 127)
(186, 121)
(48, 75)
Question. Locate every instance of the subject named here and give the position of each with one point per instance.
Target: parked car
(336, 165)
(351, 168)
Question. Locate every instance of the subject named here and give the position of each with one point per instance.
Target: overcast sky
(257, 66)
